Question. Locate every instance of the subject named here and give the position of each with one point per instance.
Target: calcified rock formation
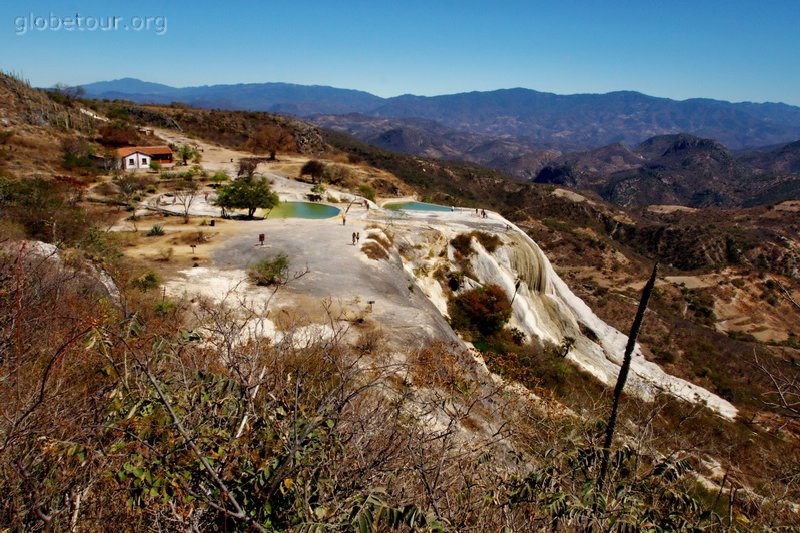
(545, 308)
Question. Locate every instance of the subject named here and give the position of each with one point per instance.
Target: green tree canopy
(247, 193)
(186, 152)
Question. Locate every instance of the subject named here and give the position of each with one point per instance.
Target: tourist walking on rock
(354, 238)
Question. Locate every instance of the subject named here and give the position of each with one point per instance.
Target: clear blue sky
(733, 49)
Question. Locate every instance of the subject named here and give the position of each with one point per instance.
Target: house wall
(135, 161)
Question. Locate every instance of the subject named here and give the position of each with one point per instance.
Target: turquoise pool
(302, 210)
(415, 206)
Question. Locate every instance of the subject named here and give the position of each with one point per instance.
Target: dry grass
(375, 251)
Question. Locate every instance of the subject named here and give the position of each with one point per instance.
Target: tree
(186, 152)
(66, 94)
(247, 167)
(186, 195)
(269, 139)
(118, 134)
(313, 168)
(247, 193)
(485, 309)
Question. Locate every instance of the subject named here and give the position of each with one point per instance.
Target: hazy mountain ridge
(301, 100)
(563, 122)
(651, 150)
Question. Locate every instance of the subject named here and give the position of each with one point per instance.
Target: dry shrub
(406, 250)
(11, 230)
(436, 365)
(463, 242)
(373, 250)
(336, 157)
(489, 241)
(370, 339)
(380, 239)
(165, 254)
(377, 245)
(194, 237)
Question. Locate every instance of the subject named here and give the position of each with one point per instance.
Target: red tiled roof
(149, 150)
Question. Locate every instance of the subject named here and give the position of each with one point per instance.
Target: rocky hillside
(678, 169)
(186, 395)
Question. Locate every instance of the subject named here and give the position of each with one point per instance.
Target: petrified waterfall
(529, 263)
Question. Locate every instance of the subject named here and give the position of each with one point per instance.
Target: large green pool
(302, 210)
(415, 206)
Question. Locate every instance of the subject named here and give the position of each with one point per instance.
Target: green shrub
(270, 271)
(156, 230)
(219, 176)
(146, 281)
(367, 191)
(164, 307)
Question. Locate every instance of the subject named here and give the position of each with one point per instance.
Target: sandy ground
(667, 209)
(575, 197)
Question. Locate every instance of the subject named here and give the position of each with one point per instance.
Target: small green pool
(302, 210)
(415, 206)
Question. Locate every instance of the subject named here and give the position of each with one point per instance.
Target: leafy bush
(148, 280)
(45, 208)
(185, 175)
(367, 191)
(485, 310)
(155, 166)
(270, 271)
(313, 168)
(219, 176)
(336, 174)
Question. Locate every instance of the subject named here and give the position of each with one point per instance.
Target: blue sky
(733, 50)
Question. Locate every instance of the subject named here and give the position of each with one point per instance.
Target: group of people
(481, 213)
(356, 237)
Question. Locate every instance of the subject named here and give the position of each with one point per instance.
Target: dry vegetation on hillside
(125, 409)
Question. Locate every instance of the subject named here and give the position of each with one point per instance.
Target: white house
(140, 157)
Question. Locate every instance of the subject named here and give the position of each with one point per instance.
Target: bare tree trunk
(623, 376)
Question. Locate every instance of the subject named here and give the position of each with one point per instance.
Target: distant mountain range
(458, 124)
(284, 98)
(680, 169)
(630, 148)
